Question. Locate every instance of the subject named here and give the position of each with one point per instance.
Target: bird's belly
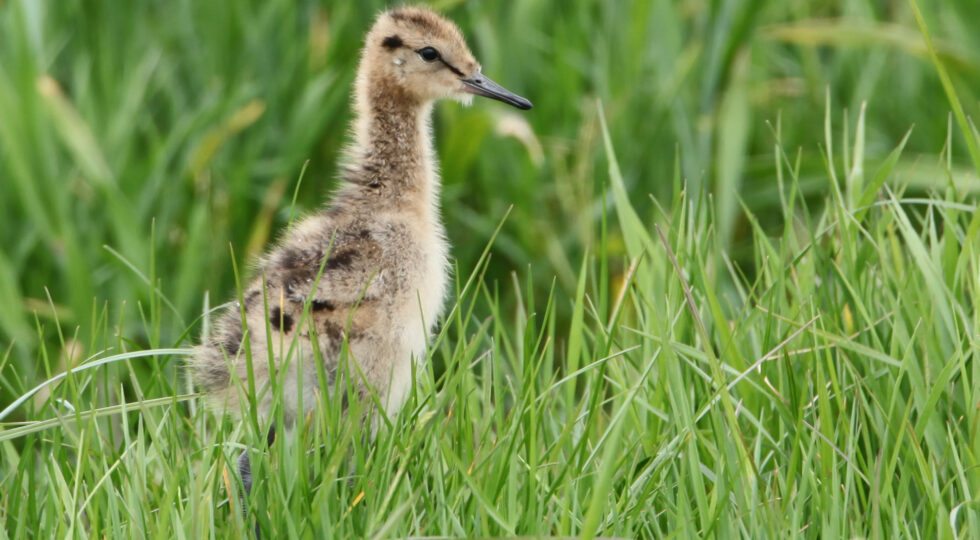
(410, 352)
(419, 312)
(425, 303)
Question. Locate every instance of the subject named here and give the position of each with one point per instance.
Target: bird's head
(426, 58)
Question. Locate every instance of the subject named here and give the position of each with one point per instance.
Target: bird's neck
(392, 157)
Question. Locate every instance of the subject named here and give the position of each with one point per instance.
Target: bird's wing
(333, 273)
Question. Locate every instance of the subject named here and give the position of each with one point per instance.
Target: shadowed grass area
(731, 293)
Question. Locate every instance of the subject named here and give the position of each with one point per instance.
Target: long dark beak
(480, 85)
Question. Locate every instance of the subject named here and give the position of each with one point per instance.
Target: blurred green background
(140, 140)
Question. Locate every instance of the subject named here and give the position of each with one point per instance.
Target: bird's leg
(245, 472)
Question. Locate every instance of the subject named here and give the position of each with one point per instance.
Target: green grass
(714, 284)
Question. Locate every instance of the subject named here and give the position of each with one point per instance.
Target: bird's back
(372, 284)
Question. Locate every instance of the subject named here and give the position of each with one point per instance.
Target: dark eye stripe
(452, 68)
(392, 42)
(429, 54)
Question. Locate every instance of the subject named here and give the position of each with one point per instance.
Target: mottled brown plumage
(380, 243)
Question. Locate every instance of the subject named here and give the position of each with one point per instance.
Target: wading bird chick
(383, 284)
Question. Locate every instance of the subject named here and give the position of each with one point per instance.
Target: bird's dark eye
(428, 54)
